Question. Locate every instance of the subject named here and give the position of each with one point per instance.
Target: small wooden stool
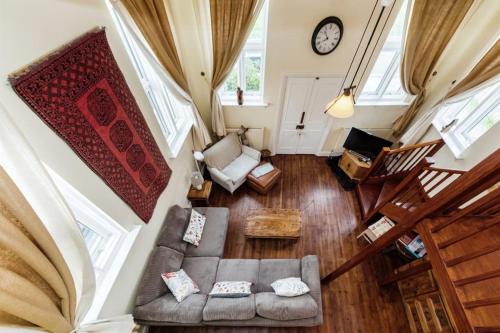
(265, 182)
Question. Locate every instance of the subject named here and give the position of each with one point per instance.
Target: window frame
(455, 134)
(119, 241)
(252, 98)
(167, 110)
(379, 98)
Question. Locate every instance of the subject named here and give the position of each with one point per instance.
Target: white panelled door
(303, 120)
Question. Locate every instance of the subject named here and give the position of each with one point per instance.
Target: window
(248, 72)
(108, 243)
(384, 82)
(464, 121)
(174, 117)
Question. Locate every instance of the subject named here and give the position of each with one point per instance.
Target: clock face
(327, 35)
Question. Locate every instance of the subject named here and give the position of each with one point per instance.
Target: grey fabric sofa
(156, 306)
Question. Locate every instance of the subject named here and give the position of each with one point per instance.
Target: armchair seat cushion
(239, 168)
(241, 308)
(214, 233)
(167, 309)
(271, 306)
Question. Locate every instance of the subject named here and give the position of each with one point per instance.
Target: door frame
(279, 114)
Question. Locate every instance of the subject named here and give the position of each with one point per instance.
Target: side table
(200, 197)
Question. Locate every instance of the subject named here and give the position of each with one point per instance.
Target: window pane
(487, 122)
(232, 82)
(257, 33)
(394, 88)
(253, 61)
(473, 104)
(378, 72)
(384, 81)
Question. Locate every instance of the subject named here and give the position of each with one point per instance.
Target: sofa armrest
(219, 176)
(253, 153)
(310, 272)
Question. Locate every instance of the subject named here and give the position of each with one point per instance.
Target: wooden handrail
(438, 142)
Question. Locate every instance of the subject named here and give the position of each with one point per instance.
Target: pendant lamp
(342, 106)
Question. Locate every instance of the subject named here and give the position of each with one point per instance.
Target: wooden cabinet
(424, 306)
(352, 166)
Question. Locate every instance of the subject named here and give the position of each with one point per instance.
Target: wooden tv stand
(354, 168)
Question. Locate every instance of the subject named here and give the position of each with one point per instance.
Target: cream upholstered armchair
(229, 162)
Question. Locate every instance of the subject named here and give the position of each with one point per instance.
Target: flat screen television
(364, 143)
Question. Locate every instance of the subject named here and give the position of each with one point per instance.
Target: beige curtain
(432, 24)
(150, 17)
(36, 286)
(486, 69)
(232, 21)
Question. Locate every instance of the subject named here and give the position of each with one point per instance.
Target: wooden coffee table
(273, 223)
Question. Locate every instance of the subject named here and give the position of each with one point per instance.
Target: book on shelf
(416, 247)
(377, 229)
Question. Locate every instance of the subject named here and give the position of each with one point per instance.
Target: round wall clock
(327, 35)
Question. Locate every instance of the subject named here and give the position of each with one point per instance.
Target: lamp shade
(341, 107)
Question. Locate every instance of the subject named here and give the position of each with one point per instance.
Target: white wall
(31, 28)
(476, 34)
(290, 26)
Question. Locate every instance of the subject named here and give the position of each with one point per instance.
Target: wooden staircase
(458, 219)
(464, 251)
(387, 171)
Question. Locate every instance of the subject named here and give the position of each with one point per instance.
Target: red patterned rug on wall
(80, 92)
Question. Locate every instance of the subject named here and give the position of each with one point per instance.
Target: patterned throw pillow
(180, 284)
(290, 287)
(231, 289)
(195, 228)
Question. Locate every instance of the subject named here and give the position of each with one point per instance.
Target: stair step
(368, 194)
(387, 188)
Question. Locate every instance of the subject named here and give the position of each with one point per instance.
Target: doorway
(303, 120)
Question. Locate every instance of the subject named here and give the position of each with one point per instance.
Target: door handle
(301, 125)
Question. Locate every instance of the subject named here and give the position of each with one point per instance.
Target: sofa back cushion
(163, 259)
(173, 229)
(223, 152)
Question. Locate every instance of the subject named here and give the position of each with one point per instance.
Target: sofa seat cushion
(270, 306)
(242, 308)
(240, 168)
(162, 260)
(202, 271)
(223, 152)
(173, 229)
(167, 309)
(275, 269)
(214, 233)
(239, 270)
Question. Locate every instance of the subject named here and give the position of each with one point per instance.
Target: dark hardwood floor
(330, 223)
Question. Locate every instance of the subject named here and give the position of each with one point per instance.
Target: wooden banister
(400, 161)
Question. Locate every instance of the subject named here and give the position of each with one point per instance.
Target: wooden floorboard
(330, 223)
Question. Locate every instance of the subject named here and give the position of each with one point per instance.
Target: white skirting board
(254, 135)
(342, 133)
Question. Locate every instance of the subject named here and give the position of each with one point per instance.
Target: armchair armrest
(218, 175)
(253, 153)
